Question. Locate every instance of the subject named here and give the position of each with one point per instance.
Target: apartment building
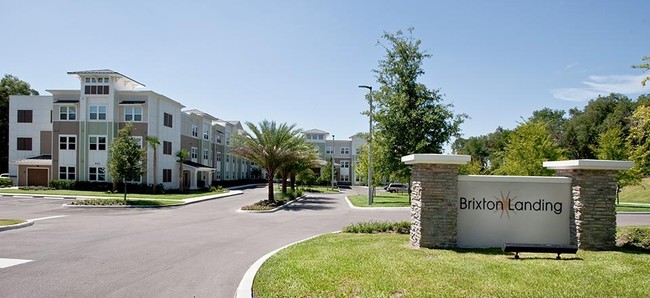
(345, 153)
(67, 135)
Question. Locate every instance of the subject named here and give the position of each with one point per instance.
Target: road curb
(17, 226)
(245, 288)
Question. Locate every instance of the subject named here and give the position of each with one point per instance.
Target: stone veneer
(434, 192)
(593, 191)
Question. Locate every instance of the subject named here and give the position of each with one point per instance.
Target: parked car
(5, 175)
(396, 187)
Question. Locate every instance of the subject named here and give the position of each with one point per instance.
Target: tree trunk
(271, 198)
(284, 182)
(293, 182)
(124, 181)
(154, 170)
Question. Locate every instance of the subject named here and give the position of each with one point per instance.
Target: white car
(396, 187)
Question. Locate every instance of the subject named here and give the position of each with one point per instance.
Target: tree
(154, 142)
(361, 169)
(645, 67)
(303, 158)
(9, 85)
(181, 157)
(126, 156)
(612, 146)
(529, 145)
(410, 118)
(639, 140)
(270, 146)
(554, 120)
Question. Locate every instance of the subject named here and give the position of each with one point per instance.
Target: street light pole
(333, 147)
(370, 186)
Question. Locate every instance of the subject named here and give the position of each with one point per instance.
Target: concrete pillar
(593, 222)
(434, 196)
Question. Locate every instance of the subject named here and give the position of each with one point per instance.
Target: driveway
(199, 250)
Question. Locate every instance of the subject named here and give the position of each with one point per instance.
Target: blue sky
(301, 61)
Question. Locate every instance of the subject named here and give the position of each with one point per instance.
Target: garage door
(37, 177)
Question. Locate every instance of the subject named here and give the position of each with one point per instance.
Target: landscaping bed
(10, 222)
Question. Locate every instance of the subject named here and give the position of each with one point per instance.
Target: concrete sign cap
(589, 164)
(436, 159)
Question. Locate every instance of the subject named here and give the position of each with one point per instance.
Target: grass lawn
(636, 194)
(385, 265)
(381, 200)
(8, 222)
(320, 189)
(74, 193)
(632, 208)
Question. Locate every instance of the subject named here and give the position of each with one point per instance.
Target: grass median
(381, 200)
(385, 265)
(10, 222)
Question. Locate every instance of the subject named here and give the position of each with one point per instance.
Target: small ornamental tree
(126, 157)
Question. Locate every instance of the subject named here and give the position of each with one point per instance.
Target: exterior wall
(46, 142)
(158, 105)
(41, 107)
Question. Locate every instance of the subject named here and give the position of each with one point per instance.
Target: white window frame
(345, 164)
(99, 174)
(98, 111)
(206, 154)
(133, 113)
(67, 174)
(345, 150)
(194, 153)
(67, 142)
(206, 132)
(329, 150)
(97, 142)
(195, 131)
(69, 111)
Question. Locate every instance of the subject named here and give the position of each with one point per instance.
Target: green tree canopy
(645, 67)
(639, 140)
(270, 146)
(9, 85)
(126, 157)
(410, 118)
(529, 145)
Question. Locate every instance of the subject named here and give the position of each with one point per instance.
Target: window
(24, 116)
(167, 148)
(328, 150)
(227, 158)
(218, 156)
(317, 149)
(167, 175)
(168, 120)
(206, 132)
(24, 144)
(97, 113)
(218, 139)
(67, 113)
(194, 153)
(218, 174)
(308, 137)
(195, 130)
(345, 178)
(358, 150)
(97, 143)
(67, 173)
(345, 150)
(133, 114)
(96, 86)
(345, 164)
(206, 154)
(97, 174)
(320, 137)
(67, 142)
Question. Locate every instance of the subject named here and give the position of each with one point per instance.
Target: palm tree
(269, 145)
(154, 142)
(181, 157)
(302, 159)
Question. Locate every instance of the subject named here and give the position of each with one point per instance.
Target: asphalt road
(199, 250)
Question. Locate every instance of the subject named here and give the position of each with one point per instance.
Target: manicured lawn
(8, 222)
(636, 194)
(320, 189)
(131, 202)
(381, 200)
(385, 265)
(74, 193)
(632, 208)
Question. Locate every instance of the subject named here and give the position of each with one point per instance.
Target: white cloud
(602, 85)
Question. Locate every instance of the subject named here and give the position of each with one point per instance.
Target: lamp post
(370, 186)
(333, 147)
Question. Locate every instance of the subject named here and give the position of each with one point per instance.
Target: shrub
(634, 238)
(264, 205)
(62, 184)
(4, 182)
(372, 227)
